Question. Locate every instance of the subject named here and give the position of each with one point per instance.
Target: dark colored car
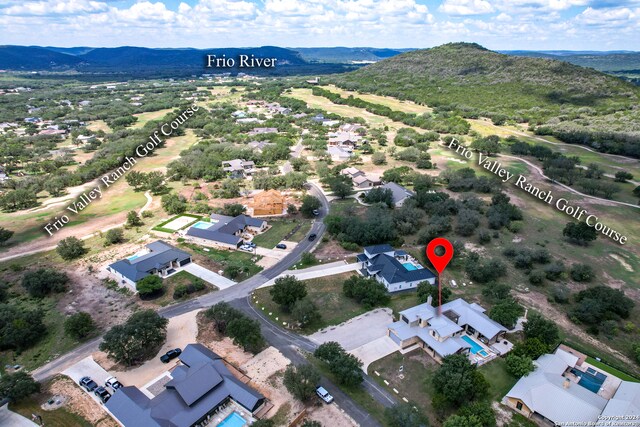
(103, 394)
(88, 384)
(312, 237)
(281, 246)
(169, 355)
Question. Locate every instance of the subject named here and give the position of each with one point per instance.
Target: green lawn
(612, 371)
(217, 259)
(500, 381)
(180, 278)
(281, 229)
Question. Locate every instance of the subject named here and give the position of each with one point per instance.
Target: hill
(609, 62)
(34, 58)
(347, 55)
(578, 105)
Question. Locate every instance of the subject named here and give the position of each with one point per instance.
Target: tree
(531, 347)
(5, 235)
(404, 415)
(601, 303)
(489, 145)
(286, 291)
(379, 195)
(20, 328)
(230, 189)
(221, 314)
(636, 191)
(482, 411)
(507, 312)
(42, 282)
(233, 209)
(426, 290)
(538, 327)
(137, 340)
(301, 381)
(155, 183)
(519, 366)
(579, 232)
(623, 176)
(309, 204)
(133, 220)
(245, 332)
(462, 421)
(345, 366)
(71, 248)
(378, 158)
(79, 325)
(458, 381)
(366, 291)
(174, 204)
(305, 312)
(136, 179)
(582, 273)
(149, 285)
(265, 422)
(341, 186)
(292, 209)
(18, 386)
(113, 236)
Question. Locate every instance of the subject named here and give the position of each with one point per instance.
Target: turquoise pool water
(475, 347)
(233, 420)
(409, 266)
(202, 224)
(591, 380)
(132, 257)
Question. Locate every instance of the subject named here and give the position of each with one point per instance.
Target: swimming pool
(410, 267)
(475, 347)
(233, 420)
(591, 380)
(132, 257)
(202, 224)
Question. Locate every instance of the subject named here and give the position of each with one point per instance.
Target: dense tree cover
(174, 204)
(519, 366)
(506, 312)
(484, 270)
(5, 234)
(136, 340)
(599, 304)
(71, 248)
(245, 332)
(524, 258)
(408, 137)
(149, 286)
(345, 366)
(465, 179)
(531, 348)
(543, 329)
(341, 185)
(40, 283)
(405, 415)
(18, 386)
(20, 328)
(379, 195)
(443, 123)
(195, 285)
(309, 204)
(488, 145)
(301, 381)
(286, 291)
(579, 233)
(426, 290)
(457, 382)
(582, 273)
(376, 226)
(79, 325)
(305, 312)
(366, 291)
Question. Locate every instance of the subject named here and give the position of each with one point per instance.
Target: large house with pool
(225, 231)
(159, 258)
(200, 391)
(462, 328)
(395, 269)
(565, 389)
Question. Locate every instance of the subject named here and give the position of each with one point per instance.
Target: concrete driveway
(88, 367)
(207, 275)
(364, 336)
(322, 270)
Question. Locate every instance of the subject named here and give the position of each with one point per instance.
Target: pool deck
(610, 385)
(226, 410)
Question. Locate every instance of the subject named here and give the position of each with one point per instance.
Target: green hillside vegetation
(577, 105)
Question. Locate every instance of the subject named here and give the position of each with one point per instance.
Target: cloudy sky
(496, 24)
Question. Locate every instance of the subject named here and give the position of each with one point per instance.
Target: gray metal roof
(399, 192)
(378, 249)
(160, 255)
(393, 271)
(214, 235)
(626, 401)
(200, 385)
(223, 228)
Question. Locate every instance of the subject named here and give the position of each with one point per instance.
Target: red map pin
(440, 262)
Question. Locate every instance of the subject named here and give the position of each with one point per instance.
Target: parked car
(281, 246)
(113, 383)
(246, 248)
(324, 394)
(251, 244)
(103, 394)
(312, 237)
(170, 355)
(88, 384)
(315, 212)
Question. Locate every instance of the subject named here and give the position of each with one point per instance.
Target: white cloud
(609, 16)
(466, 7)
(41, 8)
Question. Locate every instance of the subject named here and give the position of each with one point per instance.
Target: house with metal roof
(625, 401)
(224, 231)
(460, 328)
(399, 193)
(396, 270)
(550, 393)
(157, 258)
(239, 168)
(199, 386)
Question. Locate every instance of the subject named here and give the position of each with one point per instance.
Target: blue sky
(496, 24)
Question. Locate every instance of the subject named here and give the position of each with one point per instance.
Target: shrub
(42, 282)
(113, 236)
(71, 248)
(79, 325)
(582, 273)
(149, 286)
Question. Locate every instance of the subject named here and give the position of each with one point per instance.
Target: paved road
(240, 290)
(291, 346)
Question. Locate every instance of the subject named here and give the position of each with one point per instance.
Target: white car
(246, 248)
(324, 394)
(113, 383)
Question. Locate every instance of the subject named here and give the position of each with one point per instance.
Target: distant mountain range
(140, 60)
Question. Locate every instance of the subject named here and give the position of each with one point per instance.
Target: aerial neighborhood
(267, 263)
